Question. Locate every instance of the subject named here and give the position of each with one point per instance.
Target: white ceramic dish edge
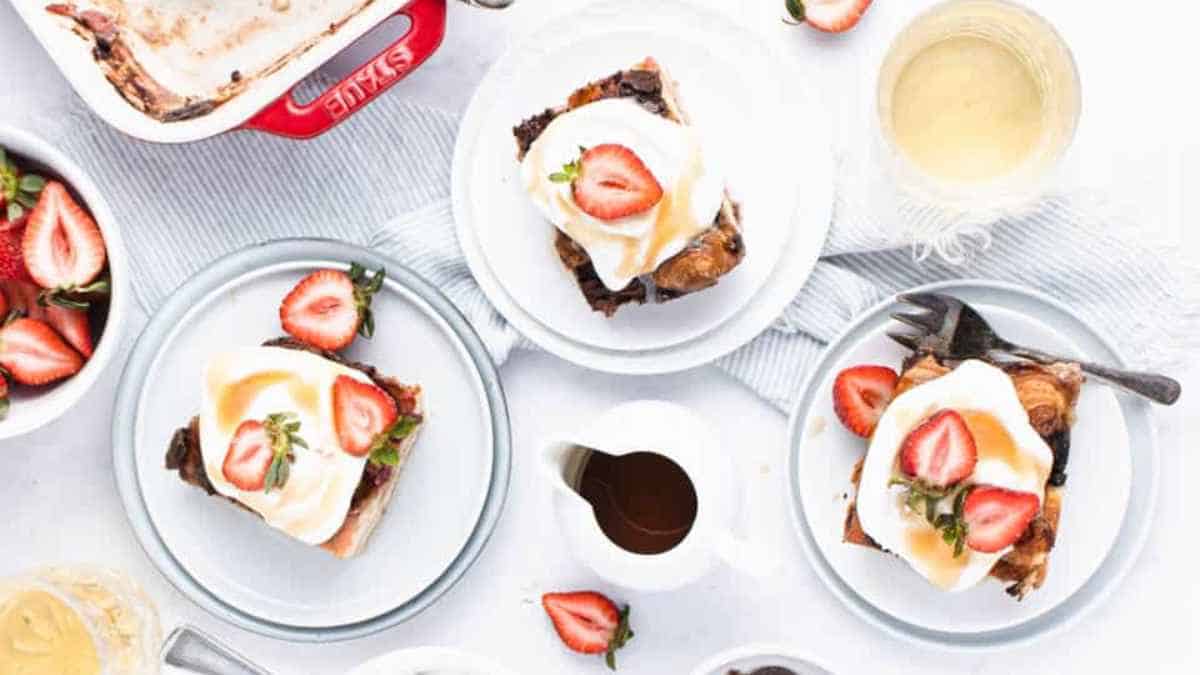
(722, 662)
(420, 660)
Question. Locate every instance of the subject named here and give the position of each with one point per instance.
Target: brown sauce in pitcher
(644, 502)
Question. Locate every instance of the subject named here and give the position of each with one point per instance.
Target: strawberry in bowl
(62, 270)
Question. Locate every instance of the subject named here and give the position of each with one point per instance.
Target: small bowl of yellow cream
(77, 621)
(978, 102)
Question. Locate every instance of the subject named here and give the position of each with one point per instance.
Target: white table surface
(1138, 141)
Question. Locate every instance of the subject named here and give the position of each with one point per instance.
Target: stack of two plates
(225, 559)
(746, 104)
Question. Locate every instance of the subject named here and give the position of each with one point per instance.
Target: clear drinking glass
(119, 619)
(1036, 44)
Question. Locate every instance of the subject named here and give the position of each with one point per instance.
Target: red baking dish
(83, 45)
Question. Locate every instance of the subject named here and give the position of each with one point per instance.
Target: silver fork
(949, 328)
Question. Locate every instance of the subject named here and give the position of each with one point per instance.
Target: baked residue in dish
(183, 61)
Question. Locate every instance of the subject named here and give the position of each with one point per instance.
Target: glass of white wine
(978, 101)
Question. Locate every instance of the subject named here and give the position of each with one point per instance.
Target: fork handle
(1157, 388)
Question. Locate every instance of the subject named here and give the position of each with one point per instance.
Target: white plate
(1102, 481)
(429, 661)
(750, 657)
(230, 561)
(746, 103)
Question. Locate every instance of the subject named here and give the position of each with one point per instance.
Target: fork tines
(926, 322)
(910, 342)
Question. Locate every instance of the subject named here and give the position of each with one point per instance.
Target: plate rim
(1131, 536)
(792, 271)
(146, 350)
(429, 656)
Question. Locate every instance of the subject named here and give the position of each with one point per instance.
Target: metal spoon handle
(1157, 388)
(197, 652)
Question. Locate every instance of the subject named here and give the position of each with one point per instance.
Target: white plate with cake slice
(1107, 500)
(200, 355)
(743, 102)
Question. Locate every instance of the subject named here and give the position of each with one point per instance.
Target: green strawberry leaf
(31, 183)
(621, 635)
(384, 450)
(282, 429)
(365, 288)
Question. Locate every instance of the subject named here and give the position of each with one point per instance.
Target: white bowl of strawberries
(63, 275)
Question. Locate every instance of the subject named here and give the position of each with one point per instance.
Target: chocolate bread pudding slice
(702, 262)
(1048, 393)
(375, 488)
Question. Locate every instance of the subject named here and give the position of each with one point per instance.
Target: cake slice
(708, 256)
(374, 487)
(1048, 393)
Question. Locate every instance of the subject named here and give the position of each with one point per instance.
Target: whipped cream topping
(1011, 455)
(254, 382)
(624, 249)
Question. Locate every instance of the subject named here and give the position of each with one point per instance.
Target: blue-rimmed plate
(227, 560)
(1107, 504)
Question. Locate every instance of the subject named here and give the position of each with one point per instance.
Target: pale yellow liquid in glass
(41, 635)
(967, 109)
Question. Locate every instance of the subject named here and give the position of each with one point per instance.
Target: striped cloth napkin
(382, 180)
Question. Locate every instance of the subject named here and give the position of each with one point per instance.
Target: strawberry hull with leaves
(53, 280)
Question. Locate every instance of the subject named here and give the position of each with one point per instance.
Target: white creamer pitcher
(682, 436)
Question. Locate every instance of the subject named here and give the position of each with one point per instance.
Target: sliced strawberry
(588, 623)
(861, 394)
(4, 306)
(12, 255)
(4, 403)
(997, 517)
(74, 326)
(34, 354)
(22, 297)
(320, 310)
(71, 324)
(63, 247)
(361, 412)
(609, 182)
(830, 16)
(328, 307)
(940, 451)
(249, 457)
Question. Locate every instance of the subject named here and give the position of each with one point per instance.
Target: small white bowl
(33, 409)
